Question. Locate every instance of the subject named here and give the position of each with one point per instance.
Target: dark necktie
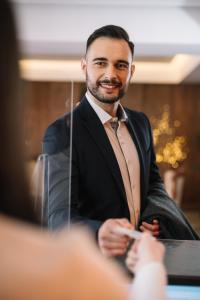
(114, 125)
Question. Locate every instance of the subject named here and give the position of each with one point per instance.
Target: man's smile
(109, 85)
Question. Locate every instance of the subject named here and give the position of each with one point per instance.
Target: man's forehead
(106, 47)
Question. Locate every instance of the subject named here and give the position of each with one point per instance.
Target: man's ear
(132, 70)
(83, 65)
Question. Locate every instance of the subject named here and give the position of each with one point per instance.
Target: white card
(134, 234)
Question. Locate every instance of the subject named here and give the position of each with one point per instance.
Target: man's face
(108, 69)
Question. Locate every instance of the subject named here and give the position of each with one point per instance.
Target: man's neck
(110, 108)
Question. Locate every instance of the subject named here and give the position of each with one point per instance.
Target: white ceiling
(174, 3)
(57, 30)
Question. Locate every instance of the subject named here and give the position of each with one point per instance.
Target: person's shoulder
(61, 123)
(55, 136)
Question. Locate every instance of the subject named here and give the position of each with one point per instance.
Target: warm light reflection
(170, 148)
(172, 72)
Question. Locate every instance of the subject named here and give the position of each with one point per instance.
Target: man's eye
(100, 63)
(122, 66)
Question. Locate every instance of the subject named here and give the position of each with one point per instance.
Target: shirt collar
(103, 115)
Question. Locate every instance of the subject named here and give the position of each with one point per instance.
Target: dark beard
(103, 99)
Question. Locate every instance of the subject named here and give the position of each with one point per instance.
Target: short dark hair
(110, 31)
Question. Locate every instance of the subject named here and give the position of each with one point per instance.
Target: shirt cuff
(149, 283)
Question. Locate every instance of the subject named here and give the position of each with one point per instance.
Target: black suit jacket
(97, 190)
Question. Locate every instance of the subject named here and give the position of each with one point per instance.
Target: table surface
(182, 261)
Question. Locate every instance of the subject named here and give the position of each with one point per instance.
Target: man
(115, 180)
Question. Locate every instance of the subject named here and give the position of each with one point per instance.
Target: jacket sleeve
(62, 184)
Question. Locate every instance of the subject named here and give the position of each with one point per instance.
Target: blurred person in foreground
(35, 264)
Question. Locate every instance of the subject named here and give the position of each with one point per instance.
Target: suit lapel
(97, 132)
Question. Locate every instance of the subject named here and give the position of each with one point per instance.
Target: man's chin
(108, 100)
(105, 98)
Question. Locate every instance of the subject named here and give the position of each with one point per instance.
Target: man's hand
(111, 243)
(154, 228)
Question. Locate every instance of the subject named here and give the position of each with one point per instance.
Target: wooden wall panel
(184, 104)
(46, 101)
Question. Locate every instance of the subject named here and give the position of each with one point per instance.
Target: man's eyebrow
(100, 58)
(123, 61)
(117, 62)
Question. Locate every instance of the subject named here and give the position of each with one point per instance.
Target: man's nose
(110, 72)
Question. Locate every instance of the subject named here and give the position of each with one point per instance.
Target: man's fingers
(114, 252)
(155, 222)
(144, 229)
(150, 227)
(124, 223)
(114, 237)
(113, 248)
(156, 233)
(113, 244)
(110, 242)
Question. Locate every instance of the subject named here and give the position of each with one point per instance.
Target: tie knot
(114, 124)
